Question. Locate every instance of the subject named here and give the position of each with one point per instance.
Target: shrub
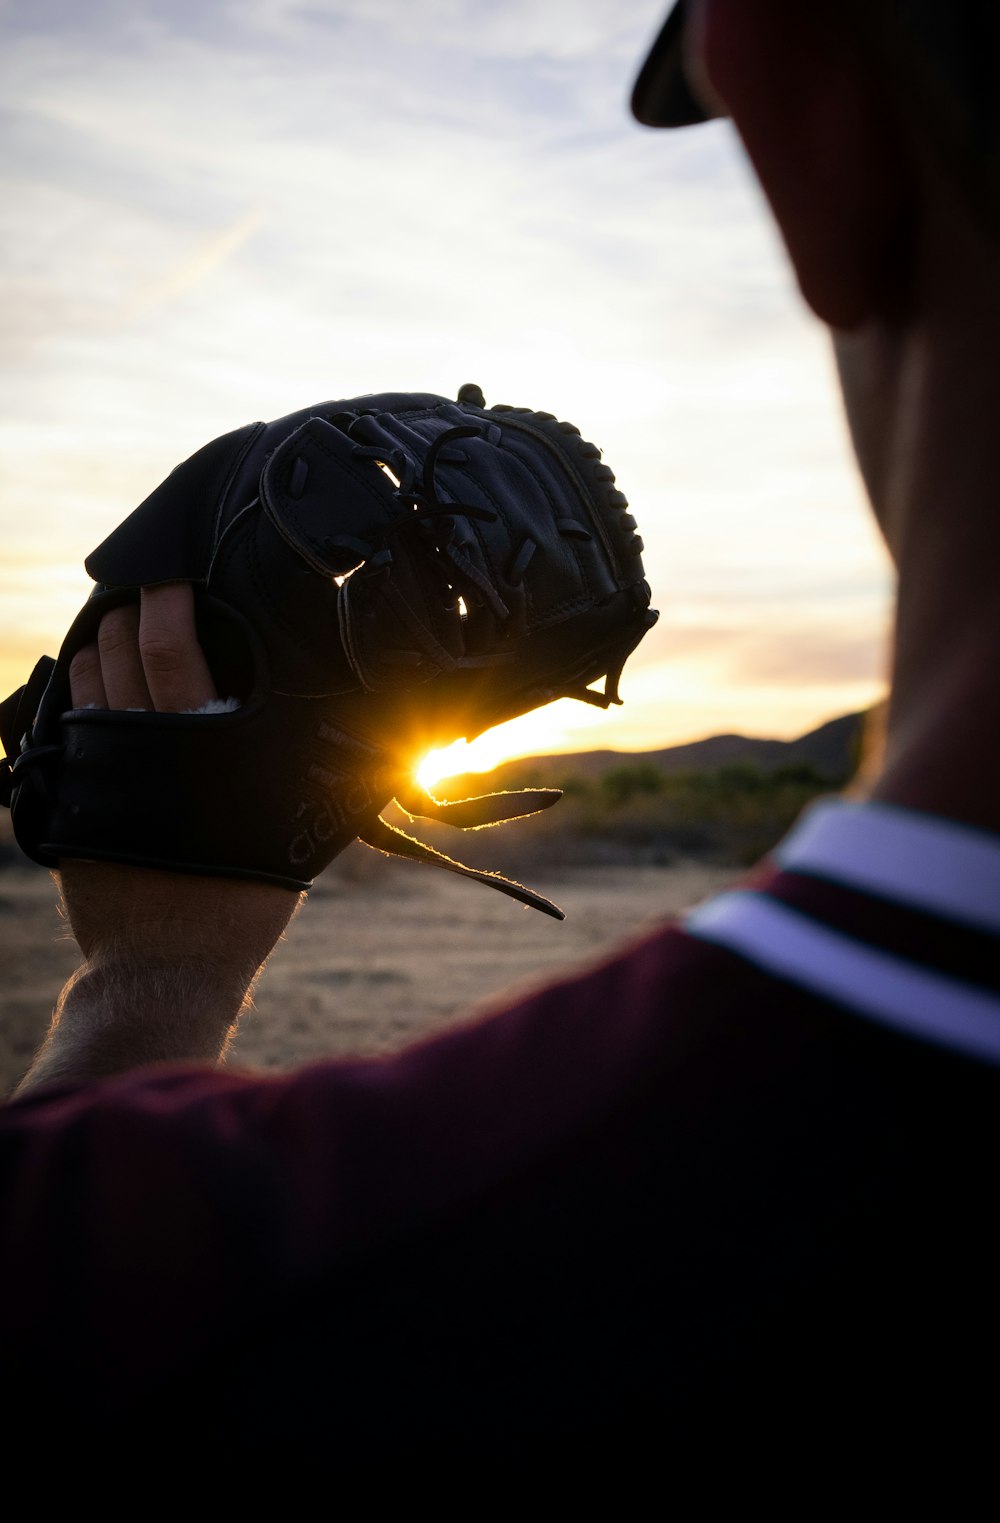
(621, 784)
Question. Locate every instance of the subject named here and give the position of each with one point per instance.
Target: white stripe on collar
(788, 944)
(918, 860)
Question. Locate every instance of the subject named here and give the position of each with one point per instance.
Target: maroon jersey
(735, 1180)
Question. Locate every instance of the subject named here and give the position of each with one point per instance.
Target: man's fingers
(146, 657)
(176, 672)
(122, 668)
(86, 685)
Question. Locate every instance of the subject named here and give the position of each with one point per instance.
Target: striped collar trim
(913, 861)
(931, 1006)
(919, 860)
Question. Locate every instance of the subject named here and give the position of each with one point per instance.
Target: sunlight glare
(540, 733)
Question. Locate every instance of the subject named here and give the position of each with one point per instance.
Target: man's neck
(940, 507)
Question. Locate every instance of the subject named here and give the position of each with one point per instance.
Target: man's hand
(146, 657)
(170, 958)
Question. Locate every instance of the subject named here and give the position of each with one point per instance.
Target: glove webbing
(463, 814)
(387, 838)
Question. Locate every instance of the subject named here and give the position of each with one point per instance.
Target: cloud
(191, 271)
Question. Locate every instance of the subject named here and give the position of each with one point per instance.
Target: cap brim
(661, 96)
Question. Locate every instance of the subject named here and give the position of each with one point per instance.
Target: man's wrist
(117, 1014)
(169, 962)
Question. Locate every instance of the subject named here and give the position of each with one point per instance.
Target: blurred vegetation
(635, 812)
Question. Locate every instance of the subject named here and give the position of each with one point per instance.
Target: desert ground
(381, 952)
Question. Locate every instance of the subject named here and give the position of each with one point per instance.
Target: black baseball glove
(375, 577)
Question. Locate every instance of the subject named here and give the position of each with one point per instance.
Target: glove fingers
(473, 813)
(398, 844)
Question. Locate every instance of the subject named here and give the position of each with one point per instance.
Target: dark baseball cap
(662, 96)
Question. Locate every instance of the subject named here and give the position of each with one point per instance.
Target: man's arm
(169, 958)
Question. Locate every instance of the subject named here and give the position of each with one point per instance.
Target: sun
(480, 755)
(543, 732)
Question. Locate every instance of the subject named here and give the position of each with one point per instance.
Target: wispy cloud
(184, 276)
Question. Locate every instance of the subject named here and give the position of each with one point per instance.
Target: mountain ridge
(831, 749)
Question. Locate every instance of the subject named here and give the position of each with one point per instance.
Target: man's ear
(807, 106)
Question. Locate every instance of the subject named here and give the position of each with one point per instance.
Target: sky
(222, 210)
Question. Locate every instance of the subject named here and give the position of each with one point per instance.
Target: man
(730, 1191)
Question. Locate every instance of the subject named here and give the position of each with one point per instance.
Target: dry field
(381, 952)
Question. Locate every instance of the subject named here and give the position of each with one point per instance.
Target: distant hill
(832, 750)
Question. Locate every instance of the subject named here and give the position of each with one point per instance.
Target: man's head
(935, 60)
(833, 100)
(874, 130)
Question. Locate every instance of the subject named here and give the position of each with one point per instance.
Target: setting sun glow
(489, 750)
(541, 733)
